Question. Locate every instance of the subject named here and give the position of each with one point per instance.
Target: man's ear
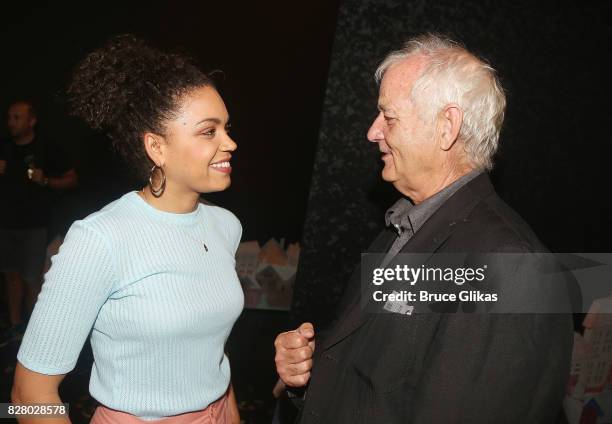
(451, 119)
(153, 145)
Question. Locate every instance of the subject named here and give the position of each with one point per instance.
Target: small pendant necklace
(141, 193)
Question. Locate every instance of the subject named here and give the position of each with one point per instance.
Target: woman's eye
(209, 133)
(228, 128)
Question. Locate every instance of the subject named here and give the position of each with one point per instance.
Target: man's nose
(375, 133)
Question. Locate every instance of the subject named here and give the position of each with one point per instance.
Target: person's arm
(67, 180)
(30, 387)
(75, 288)
(234, 413)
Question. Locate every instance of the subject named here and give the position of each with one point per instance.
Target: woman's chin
(214, 188)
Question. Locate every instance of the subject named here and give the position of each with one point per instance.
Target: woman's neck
(171, 201)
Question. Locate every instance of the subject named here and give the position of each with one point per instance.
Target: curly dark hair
(127, 88)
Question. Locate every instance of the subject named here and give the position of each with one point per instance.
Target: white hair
(454, 75)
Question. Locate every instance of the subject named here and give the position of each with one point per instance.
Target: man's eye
(389, 118)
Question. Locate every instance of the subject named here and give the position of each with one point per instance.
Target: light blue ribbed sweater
(158, 305)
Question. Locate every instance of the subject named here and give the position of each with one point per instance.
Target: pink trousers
(215, 413)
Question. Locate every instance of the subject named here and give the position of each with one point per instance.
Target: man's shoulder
(493, 224)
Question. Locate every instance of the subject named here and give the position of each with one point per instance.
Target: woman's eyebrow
(214, 120)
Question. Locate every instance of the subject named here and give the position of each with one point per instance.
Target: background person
(32, 172)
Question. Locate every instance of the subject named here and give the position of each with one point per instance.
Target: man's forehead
(388, 105)
(391, 95)
(19, 108)
(399, 78)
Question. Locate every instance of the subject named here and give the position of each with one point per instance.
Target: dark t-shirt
(23, 203)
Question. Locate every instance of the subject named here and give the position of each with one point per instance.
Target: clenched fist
(294, 351)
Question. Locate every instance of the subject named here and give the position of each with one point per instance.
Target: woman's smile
(222, 166)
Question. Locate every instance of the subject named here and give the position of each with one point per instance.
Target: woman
(151, 275)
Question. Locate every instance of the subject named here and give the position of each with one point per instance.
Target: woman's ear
(153, 146)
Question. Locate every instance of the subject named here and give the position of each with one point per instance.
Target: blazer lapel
(353, 318)
(438, 228)
(455, 211)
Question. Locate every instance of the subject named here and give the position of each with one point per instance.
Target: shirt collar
(405, 215)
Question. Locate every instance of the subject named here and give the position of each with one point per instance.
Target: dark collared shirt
(407, 217)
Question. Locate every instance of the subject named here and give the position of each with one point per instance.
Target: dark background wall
(553, 165)
(275, 58)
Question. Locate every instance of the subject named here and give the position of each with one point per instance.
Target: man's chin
(388, 175)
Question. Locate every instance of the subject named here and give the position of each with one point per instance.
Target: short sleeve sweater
(159, 294)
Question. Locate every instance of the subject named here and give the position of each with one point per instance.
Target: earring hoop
(157, 192)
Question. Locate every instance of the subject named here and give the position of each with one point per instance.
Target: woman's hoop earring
(162, 186)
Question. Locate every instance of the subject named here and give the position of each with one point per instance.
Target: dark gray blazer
(443, 368)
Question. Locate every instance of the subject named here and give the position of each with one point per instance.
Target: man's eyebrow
(385, 109)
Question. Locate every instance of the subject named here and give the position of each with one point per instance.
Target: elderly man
(440, 113)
